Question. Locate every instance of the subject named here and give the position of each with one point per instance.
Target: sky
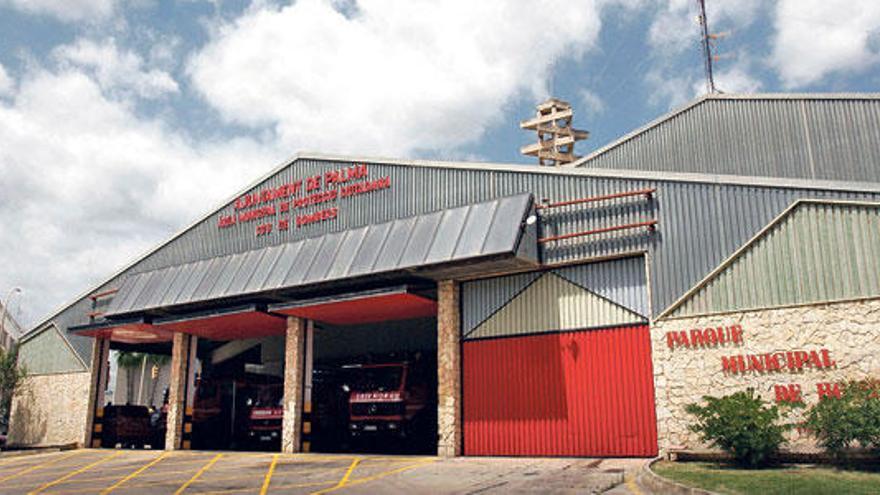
(123, 121)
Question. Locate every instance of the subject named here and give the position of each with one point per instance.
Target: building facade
(563, 311)
(10, 330)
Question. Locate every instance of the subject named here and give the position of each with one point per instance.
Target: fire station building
(533, 311)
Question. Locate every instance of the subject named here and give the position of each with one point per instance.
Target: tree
(11, 377)
(129, 361)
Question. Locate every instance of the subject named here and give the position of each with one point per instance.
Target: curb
(21, 452)
(652, 481)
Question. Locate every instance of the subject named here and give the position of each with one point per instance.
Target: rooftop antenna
(707, 47)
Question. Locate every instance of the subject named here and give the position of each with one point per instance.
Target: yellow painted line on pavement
(358, 481)
(344, 480)
(74, 473)
(632, 486)
(38, 466)
(268, 478)
(23, 459)
(278, 487)
(135, 473)
(114, 477)
(198, 474)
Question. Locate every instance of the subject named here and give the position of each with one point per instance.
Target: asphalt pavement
(105, 471)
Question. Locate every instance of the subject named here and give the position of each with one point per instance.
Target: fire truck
(390, 400)
(266, 412)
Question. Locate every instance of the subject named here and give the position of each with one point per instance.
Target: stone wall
(449, 422)
(838, 341)
(50, 410)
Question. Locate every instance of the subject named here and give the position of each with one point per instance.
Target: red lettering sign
(829, 390)
(788, 393)
(327, 187)
(793, 361)
(705, 337)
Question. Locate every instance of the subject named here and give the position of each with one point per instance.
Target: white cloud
(671, 91)
(7, 85)
(88, 186)
(674, 39)
(816, 38)
(387, 77)
(676, 28)
(65, 10)
(116, 70)
(592, 101)
(737, 78)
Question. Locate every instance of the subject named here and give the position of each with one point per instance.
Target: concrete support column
(180, 391)
(294, 373)
(449, 427)
(100, 368)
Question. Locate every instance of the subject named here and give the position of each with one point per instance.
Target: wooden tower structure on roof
(556, 136)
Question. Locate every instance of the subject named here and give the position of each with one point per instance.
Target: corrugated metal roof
(466, 233)
(822, 137)
(817, 251)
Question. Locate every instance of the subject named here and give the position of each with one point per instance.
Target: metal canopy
(396, 303)
(126, 331)
(240, 322)
(490, 231)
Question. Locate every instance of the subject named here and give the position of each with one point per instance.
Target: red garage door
(584, 393)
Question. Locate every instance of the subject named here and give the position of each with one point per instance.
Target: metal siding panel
(845, 137)
(163, 285)
(246, 271)
(286, 259)
(586, 393)
(264, 268)
(370, 248)
(323, 257)
(447, 235)
(124, 292)
(186, 271)
(506, 223)
(473, 234)
(345, 256)
(148, 291)
(550, 304)
(47, 353)
(830, 246)
(481, 298)
(199, 270)
(212, 274)
(226, 276)
(136, 284)
(418, 190)
(622, 281)
(398, 236)
(305, 259)
(420, 240)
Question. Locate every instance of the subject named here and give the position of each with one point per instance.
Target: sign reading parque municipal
(284, 207)
(793, 361)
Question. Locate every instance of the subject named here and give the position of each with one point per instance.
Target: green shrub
(839, 423)
(740, 424)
